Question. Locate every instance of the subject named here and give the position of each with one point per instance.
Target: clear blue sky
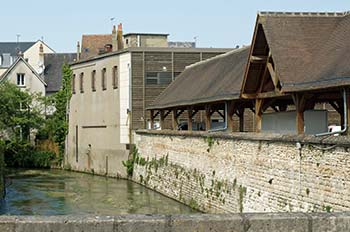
(217, 23)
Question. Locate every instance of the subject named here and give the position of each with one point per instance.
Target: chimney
(78, 51)
(120, 37)
(114, 39)
(41, 54)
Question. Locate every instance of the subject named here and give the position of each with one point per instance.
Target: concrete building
(110, 95)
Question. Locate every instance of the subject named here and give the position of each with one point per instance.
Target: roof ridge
(308, 14)
(218, 56)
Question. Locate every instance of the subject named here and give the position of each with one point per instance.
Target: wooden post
(174, 119)
(152, 119)
(258, 114)
(299, 101)
(162, 118)
(241, 119)
(207, 118)
(230, 112)
(189, 119)
(348, 111)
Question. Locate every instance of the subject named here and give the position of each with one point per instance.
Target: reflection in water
(56, 192)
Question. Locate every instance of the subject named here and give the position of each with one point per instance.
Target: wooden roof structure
(298, 59)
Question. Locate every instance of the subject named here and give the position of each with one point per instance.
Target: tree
(57, 124)
(19, 112)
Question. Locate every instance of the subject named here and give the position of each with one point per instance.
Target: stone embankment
(296, 222)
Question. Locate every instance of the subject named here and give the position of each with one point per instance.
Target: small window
(115, 77)
(73, 84)
(20, 79)
(103, 79)
(93, 80)
(127, 41)
(158, 78)
(81, 81)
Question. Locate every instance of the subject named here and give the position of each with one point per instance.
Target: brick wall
(246, 172)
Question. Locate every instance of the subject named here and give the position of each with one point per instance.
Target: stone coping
(269, 222)
(267, 137)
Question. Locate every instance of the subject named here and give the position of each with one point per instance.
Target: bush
(23, 155)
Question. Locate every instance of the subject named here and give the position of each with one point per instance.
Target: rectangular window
(115, 77)
(20, 79)
(158, 78)
(103, 79)
(73, 84)
(93, 80)
(81, 82)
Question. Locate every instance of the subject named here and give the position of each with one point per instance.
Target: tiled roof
(13, 47)
(53, 69)
(310, 51)
(217, 79)
(92, 44)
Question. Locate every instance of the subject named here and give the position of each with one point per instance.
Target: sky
(215, 23)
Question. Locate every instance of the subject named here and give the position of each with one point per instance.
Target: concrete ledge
(296, 222)
(343, 141)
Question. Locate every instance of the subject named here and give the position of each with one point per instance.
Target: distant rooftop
(13, 47)
(150, 34)
(306, 14)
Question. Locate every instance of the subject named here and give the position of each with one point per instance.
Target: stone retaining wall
(296, 222)
(231, 173)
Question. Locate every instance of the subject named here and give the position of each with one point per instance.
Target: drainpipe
(345, 120)
(225, 127)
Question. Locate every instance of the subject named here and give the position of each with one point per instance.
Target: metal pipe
(345, 120)
(226, 125)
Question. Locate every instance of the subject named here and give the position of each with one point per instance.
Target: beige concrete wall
(146, 41)
(32, 83)
(96, 117)
(246, 172)
(32, 54)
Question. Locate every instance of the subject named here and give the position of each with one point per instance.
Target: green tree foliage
(19, 112)
(57, 124)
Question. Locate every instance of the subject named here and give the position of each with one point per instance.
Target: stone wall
(297, 222)
(233, 173)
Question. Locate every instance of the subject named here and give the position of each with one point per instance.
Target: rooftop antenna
(112, 20)
(18, 36)
(42, 38)
(196, 39)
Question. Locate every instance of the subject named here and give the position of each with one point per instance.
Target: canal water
(57, 192)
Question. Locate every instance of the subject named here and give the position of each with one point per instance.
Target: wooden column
(207, 118)
(348, 111)
(174, 120)
(152, 119)
(162, 118)
(189, 119)
(241, 119)
(230, 112)
(299, 101)
(258, 114)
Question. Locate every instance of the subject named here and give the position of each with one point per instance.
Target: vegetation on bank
(25, 117)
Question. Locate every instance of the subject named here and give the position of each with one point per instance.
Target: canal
(57, 192)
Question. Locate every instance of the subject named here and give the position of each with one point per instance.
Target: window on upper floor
(21, 80)
(103, 79)
(115, 77)
(93, 80)
(158, 78)
(73, 84)
(81, 82)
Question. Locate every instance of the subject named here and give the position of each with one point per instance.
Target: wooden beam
(162, 118)
(189, 119)
(299, 101)
(222, 115)
(208, 117)
(152, 119)
(273, 75)
(174, 119)
(231, 108)
(348, 111)
(241, 119)
(258, 59)
(258, 114)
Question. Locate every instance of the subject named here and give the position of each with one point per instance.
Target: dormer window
(20, 80)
